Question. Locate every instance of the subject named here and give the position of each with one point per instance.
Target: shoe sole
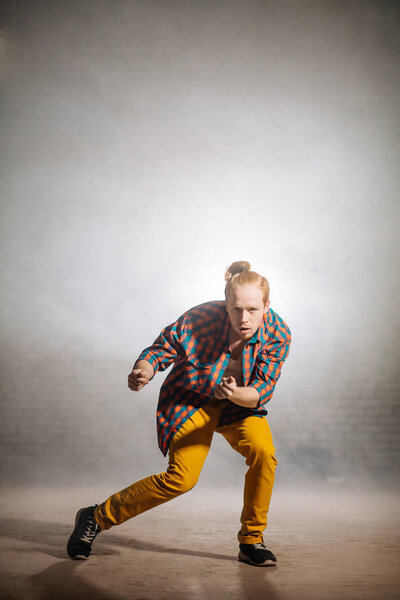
(246, 559)
(77, 556)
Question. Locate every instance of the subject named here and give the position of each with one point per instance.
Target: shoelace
(91, 531)
(261, 545)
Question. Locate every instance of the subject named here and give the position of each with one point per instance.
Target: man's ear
(266, 306)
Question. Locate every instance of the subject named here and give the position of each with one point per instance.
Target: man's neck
(236, 344)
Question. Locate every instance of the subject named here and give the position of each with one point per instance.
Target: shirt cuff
(260, 387)
(151, 358)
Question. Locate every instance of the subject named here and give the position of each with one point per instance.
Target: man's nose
(245, 317)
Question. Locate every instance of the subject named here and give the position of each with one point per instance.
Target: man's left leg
(252, 438)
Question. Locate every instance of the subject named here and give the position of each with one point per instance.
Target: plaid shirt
(197, 345)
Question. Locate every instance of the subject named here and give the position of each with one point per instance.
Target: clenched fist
(140, 376)
(226, 388)
(137, 379)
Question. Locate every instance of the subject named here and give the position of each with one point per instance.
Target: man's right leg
(187, 453)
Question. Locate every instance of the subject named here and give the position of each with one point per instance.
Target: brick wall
(71, 418)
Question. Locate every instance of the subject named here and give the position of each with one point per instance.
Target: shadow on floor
(62, 582)
(65, 579)
(51, 538)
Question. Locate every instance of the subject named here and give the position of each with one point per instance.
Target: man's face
(245, 306)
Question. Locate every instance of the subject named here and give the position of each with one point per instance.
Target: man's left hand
(226, 388)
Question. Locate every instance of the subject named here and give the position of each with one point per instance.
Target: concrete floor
(329, 546)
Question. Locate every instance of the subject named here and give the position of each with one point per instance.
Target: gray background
(145, 146)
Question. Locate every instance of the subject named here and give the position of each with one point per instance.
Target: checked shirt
(197, 346)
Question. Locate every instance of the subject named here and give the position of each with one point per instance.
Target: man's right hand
(137, 379)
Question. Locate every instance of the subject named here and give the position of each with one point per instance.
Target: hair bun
(237, 267)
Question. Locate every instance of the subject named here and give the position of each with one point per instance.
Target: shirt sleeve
(267, 369)
(167, 347)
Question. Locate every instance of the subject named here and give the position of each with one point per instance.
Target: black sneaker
(80, 543)
(257, 555)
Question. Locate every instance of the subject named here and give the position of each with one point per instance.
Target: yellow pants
(251, 437)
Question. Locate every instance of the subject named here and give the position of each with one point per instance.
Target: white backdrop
(149, 145)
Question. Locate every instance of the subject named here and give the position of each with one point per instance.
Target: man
(227, 359)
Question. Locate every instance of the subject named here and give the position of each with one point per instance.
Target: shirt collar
(261, 334)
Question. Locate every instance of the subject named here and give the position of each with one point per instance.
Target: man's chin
(246, 335)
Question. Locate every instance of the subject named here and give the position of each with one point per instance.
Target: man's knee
(263, 454)
(179, 481)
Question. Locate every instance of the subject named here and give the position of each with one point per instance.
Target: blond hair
(239, 273)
